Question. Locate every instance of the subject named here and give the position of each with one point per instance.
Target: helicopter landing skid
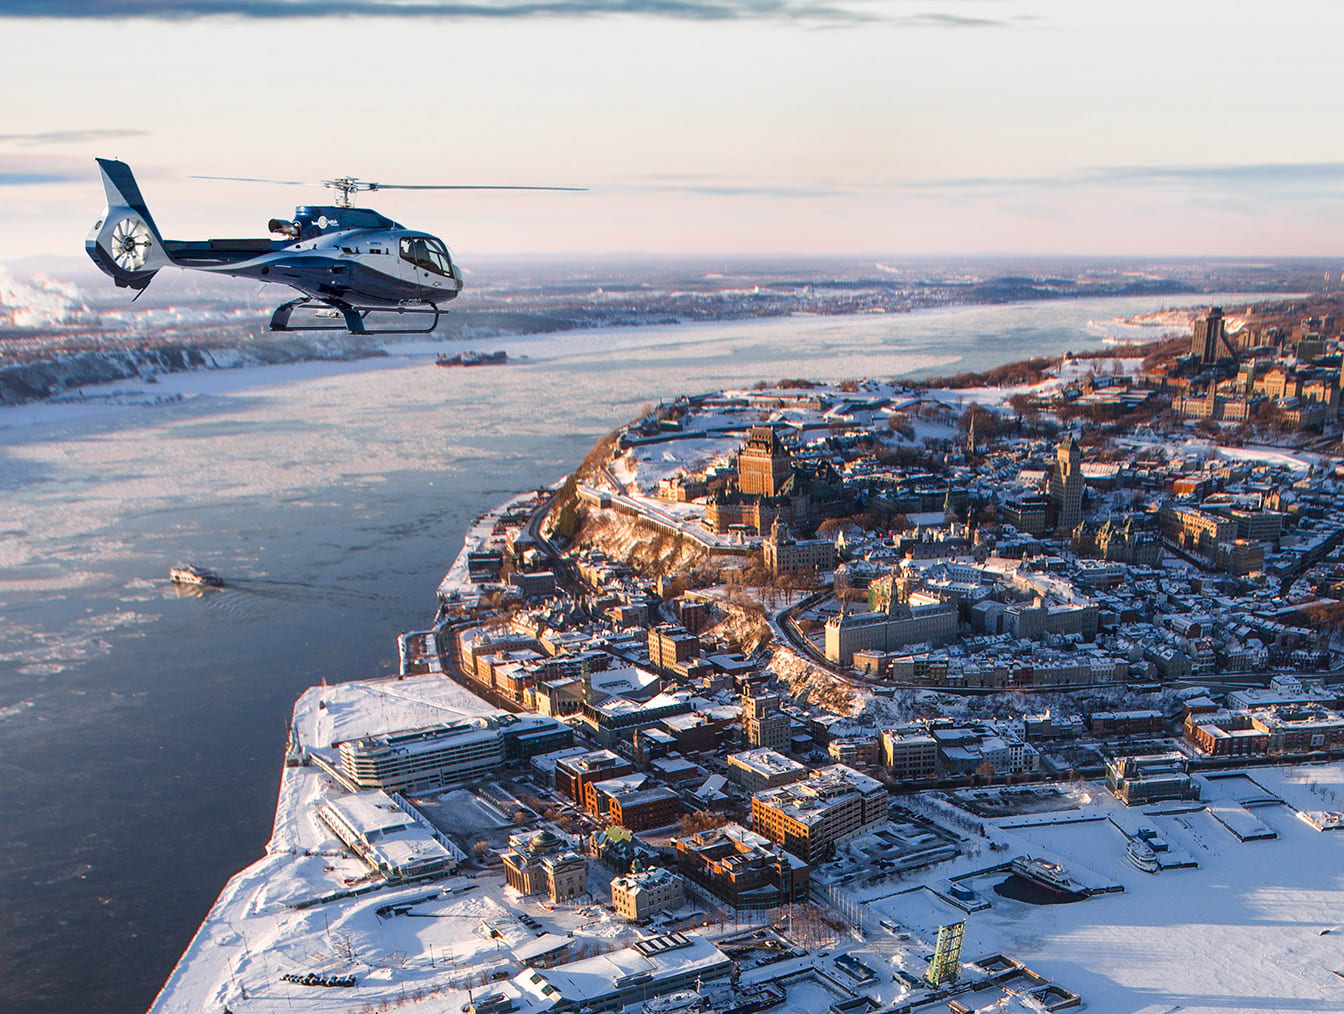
(352, 319)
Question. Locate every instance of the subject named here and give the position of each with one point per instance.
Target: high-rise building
(763, 722)
(763, 466)
(1066, 484)
(1210, 337)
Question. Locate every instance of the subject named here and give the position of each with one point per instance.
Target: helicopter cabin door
(425, 263)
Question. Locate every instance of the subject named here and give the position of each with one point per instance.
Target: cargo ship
(190, 573)
(472, 359)
(1045, 874)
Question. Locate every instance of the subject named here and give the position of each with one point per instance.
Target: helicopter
(349, 263)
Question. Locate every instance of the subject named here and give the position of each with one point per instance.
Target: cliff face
(43, 378)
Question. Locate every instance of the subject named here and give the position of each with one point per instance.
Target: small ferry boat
(1042, 873)
(190, 573)
(472, 359)
(1141, 856)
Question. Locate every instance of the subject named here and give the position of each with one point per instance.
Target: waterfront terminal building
(424, 760)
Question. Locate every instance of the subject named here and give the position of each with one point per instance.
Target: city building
(392, 842)
(641, 895)
(1239, 557)
(1066, 485)
(1145, 722)
(420, 760)
(573, 775)
(1119, 542)
(1209, 340)
(741, 868)
(853, 750)
(1148, 778)
(672, 649)
(757, 770)
(764, 724)
(650, 967)
(640, 807)
(1276, 730)
(786, 555)
(681, 488)
(763, 464)
(1028, 513)
(910, 755)
(618, 718)
(934, 623)
(982, 749)
(542, 862)
(810, 817)
(1193, 530)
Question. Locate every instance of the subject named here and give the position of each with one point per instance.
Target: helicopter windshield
(429, 254)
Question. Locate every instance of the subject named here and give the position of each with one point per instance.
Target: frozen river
(141, 731)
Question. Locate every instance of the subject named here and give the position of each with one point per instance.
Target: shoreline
(240, 376)
(45, 378)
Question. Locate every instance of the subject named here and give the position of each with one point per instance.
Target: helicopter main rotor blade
(252, 179)
(421, 186)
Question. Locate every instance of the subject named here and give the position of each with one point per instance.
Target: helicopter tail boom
(125, 243)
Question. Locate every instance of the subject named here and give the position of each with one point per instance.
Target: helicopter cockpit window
(439, 254)
(431, 255)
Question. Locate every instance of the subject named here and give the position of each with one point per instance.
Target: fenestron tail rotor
(130, 243)
(345, 187)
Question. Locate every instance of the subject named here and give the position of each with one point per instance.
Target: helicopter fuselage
(346, 256)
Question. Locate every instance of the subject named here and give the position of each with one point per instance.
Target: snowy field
(1256, 928)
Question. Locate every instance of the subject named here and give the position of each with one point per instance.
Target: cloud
(29, 179)
(699, 10)
(1325, 176)
(1297, 182)
(941, 19)
(821, 11)
(69, 136)
(720, 186)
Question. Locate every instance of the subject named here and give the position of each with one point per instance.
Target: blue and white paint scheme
(347, 262)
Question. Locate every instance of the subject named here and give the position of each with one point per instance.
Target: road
(566, 574)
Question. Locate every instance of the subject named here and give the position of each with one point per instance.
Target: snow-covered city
(868, 696)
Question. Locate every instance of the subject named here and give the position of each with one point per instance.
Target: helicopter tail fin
(125, 243)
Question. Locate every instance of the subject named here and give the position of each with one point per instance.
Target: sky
(1181, 127)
